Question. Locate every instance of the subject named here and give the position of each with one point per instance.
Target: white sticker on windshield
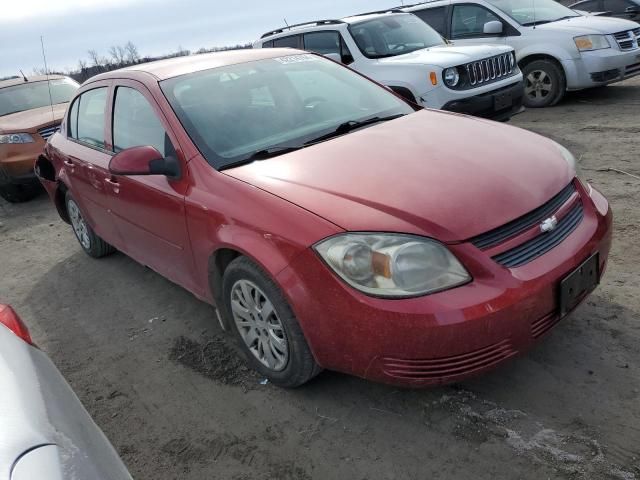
(297, 58)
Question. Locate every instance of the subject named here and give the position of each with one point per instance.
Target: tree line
(120, 56)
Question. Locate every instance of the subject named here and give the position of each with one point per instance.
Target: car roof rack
(311, 24)
(415, 4)
(387, 10)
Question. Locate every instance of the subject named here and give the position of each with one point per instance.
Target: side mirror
(336, 57)
(493, 28)
(633, 10)
(143, 161)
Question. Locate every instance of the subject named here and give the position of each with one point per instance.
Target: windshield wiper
(273, 152)
(542, 22)
(352, 125)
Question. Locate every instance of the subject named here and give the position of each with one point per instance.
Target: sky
(72, 27)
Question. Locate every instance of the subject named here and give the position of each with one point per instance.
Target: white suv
(557, 48)
(400, 51)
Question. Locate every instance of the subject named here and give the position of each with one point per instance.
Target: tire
(258, 337)
(544, 84)
(19, 193)
(91, 243)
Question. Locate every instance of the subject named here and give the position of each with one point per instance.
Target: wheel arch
(60, 201)
(527, 59)
(404, 92)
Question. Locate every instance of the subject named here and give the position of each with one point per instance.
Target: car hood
(447, 55)
(438, 174)
(589, 24)
(29, 121)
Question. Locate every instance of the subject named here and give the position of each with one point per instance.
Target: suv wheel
(265, 327)
(544, 84)
(91, 243)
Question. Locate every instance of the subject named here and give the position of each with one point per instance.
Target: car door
(467, 25)
(149, 211)
(86, 157)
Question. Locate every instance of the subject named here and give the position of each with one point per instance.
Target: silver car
(45, 432)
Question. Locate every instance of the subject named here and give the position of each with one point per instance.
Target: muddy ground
(148, 361)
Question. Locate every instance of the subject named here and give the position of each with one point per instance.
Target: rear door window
(91, 107)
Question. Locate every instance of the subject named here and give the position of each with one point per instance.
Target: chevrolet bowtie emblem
(549, 224)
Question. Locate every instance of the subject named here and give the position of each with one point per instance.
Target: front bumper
(17, 161)
(491, 105)
(448, 336)
(601, 67)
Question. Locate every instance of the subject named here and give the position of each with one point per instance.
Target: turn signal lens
(434, 78)
(10, 319)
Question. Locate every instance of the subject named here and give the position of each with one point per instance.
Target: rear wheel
(265, 327)
(19, 193)
(544, 83)
(91, 243)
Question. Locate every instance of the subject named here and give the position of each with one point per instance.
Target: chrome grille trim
(628, 39)
(47, 132)
(489, 69)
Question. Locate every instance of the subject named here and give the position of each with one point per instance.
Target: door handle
(68, 162)
(115, 186)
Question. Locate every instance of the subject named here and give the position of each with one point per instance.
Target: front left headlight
(392, 265)
(587, 43)
(451, 77)
(16, 138)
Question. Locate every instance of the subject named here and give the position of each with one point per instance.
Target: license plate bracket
(502, 101)
(578, 284)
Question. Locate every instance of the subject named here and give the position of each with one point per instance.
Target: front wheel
(91, 243)
(19, 193)
(544, 84)
(265, 327)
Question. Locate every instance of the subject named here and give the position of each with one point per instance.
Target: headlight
(570, 159)
(451, 77)
(587, 43)
(392, 265)
(16, 138)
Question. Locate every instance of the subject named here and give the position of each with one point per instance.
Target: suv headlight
(451, 77)
(16, 138)
(392, 265)
(586, 43)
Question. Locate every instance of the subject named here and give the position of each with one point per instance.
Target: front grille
(490, 69)
(544, 242)
(498, 235)
(627, 40)
(48, 132)
(438, 368)
(632, 69)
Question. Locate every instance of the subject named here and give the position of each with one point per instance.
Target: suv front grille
(628, 40)
(48, 132)
(490, 69)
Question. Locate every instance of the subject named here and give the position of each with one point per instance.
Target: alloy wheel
(79, 225)
(538, 85)
(259, 325)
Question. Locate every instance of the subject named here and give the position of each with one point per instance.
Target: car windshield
(236, 113)
(393, 35)
(534, 12)
(30, 95)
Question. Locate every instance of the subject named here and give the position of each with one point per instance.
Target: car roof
(326, 24)
(175, 67)
(31, 79)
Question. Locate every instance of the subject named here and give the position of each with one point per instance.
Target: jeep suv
(30, 112)
(557, 48)
(398, 50)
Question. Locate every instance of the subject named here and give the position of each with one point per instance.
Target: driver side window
(468, 21)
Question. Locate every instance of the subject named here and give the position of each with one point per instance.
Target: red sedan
(332, 224)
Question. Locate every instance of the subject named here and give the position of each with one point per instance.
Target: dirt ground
(148, 360)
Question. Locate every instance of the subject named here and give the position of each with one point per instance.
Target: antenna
(46, 72)
(24, 77)
(285, 22)
(533, 2)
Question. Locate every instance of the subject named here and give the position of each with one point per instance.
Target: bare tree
(131, 50)
(95, 58)
(117, 54)
(82, 65)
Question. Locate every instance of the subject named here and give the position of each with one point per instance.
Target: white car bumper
(601, 67)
